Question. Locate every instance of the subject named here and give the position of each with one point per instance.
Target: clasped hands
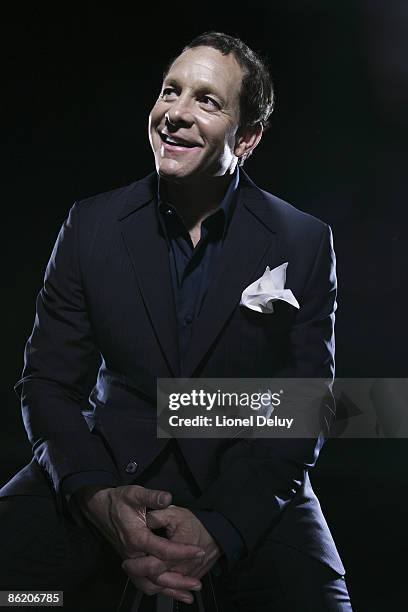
(171, 565)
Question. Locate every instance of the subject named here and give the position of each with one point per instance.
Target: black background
(78, 86)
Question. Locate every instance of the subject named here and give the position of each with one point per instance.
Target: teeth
(175, 142)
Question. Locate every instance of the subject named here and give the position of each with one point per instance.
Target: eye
(209, 102)
(168, 93)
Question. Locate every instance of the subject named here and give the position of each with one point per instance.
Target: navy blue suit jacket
(107, 306)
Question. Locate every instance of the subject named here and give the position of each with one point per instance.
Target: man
(148, 278)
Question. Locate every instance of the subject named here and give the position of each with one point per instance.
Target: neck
(196, 201)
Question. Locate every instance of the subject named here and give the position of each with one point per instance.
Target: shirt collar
(226, 204)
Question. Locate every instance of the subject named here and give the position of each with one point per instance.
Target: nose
(179, 114)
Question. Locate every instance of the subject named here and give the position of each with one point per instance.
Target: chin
(167, 176)
(176, 179)
(173, 174)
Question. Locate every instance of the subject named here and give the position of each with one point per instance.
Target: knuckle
(148, 567)
(166, 557)
(139, 493)
(163, 581)
(126, 550)
(140, 583)
(141, 540)
(150, 590)
(154, 567)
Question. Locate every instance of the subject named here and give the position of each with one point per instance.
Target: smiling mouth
(173, 141)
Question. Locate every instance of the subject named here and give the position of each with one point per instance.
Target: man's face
(194, 123)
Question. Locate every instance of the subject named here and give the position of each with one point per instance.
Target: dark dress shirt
(191, 270)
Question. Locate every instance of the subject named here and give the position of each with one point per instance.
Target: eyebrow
(201, 89)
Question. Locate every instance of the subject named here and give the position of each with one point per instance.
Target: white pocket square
(261, 294)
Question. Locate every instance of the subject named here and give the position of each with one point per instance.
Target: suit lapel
(249, 236)
(251, 233)
(148, 252)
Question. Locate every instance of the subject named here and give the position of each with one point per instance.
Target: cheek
(220, 135)
(230, 136)
(156, 115)
(217, 141)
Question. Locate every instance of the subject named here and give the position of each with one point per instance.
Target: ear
(247, 140)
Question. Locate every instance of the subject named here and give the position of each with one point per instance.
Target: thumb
(152, 498)
(157, 519)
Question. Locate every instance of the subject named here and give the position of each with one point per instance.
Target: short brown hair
(257, 93)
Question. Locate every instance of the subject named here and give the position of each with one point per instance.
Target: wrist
(93, 493)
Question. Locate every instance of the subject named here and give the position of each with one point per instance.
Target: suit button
(188, 319)
(131, 467)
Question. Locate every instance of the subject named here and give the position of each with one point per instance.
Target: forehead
(205, 66)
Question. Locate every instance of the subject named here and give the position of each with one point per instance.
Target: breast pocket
(267, 326)
(260, 341)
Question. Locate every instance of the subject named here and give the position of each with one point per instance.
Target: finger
(170, 552)
(157, 519)
(199, 571)
(155, 570)
(148, 587)
(145, 566)
(151, 498)
(191, 568)
(137, 554)
(145, 541)
(183, 596)
(174, 580)
(145, 585)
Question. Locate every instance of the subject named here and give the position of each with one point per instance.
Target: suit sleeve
(259, 477)
(60, 357)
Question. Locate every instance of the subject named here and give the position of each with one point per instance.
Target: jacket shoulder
(111, 202)
(291, 217)
(284, 216)
(295, 226)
